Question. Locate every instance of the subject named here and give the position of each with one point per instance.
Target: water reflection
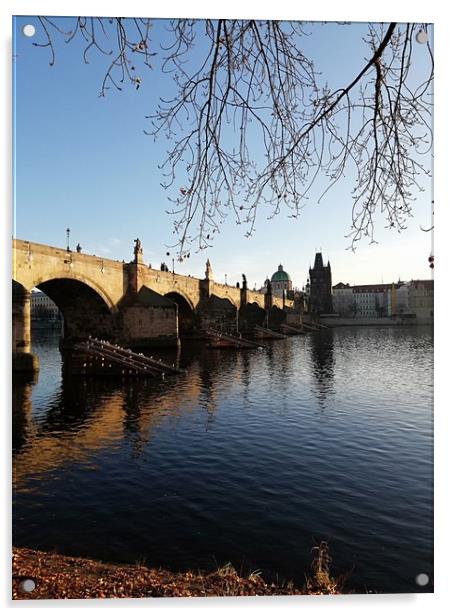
(88, 415)
(217, 463)
(65, 437)
(21, 410)
(280, 361)
(321, 346)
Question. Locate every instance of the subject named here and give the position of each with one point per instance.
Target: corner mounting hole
(422, 579)
(422, 37)
(28, 585)
(28, 30)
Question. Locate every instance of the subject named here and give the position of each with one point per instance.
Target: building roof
(427, 284)
(318, 263)
(372, 288)
(341, 285)
(280, 275)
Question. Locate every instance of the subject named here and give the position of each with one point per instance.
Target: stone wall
(144, 326)
(147, 319)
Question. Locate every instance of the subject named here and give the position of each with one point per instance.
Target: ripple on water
(249, 458)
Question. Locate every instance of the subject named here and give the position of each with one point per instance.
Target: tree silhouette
(250, 80)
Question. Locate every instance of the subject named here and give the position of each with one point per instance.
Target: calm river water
(252, 458)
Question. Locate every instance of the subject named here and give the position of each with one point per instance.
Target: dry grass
(320, 581)
(63, 577)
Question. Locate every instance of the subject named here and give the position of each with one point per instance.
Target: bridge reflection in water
(247, 458)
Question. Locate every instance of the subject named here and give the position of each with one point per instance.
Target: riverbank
(65, 577)
(363, 321)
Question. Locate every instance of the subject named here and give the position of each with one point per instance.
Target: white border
(384, 10)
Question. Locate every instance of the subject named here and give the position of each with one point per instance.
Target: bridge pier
(22, 358)
(147, 319)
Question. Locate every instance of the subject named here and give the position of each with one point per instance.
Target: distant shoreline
(356, 322)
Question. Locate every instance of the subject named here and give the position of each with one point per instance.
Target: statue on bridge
(244, 282)
(137, 248)
(208, 270)
(138, 251)
(269, 290)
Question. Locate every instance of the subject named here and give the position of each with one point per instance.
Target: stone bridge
(129, 303)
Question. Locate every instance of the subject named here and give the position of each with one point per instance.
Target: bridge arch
(252, 314)
(185, 312)
(86, 310)
(220, 294)
(221, 313)
(178, 295)
(84, 280)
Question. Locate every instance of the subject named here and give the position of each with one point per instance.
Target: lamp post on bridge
(68, 231)
(226, 279)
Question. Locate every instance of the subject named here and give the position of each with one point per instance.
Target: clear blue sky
(84, 162)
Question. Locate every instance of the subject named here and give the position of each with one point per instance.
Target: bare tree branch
(252, 130)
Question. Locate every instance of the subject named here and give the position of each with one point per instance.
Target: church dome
(280, 275)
